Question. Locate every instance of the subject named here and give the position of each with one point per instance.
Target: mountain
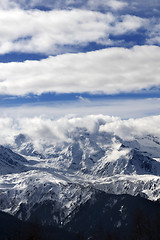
(103, 217)
(12, 228)
(11, 162)
(54, 182)
(109, 216)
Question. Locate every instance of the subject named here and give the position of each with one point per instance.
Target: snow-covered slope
(63, 168)
(10, 162)
(148, 145)
(65, 174)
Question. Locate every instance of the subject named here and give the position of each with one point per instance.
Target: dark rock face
(12, 228)
(7, 155)
(103, 216)
(123, 216)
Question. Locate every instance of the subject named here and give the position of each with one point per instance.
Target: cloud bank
(50, 32)
(73, 23)
(134, 5)
(43, 131)
(110, 71)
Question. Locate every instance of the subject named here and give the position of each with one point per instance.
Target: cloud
(133, 128)
(113, 4)
(129, 23)
(154, 31)
(8, 130)
(116, 5)
(43, 131)
(134, 7)
(8, 4)
(144, 5)
(64, 4)
(35, 31)
(109, 71)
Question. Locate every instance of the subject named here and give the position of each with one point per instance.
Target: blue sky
(80, 54)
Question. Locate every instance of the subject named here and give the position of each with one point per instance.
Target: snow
(68, 173)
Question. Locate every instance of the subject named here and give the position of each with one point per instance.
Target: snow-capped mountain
(61, 177)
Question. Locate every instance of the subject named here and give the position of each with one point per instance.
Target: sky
(79, 57)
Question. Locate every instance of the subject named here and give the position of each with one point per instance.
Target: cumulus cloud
(8, 128)
(42, 131)
(110, 71)
(113, 4)
(154, 31)
(48, 32)
(64, 4)
(147, 6)
(134, 5)
(133, 128)
(8, 4)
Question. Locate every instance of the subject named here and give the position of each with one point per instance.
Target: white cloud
(129, 23)
(150, 7)
(47, 32)
(117, 5)
(8, 4)
(143, 4)
(43, 130)
(113, 4)
(110, 71)
(129, 129)
(7, 129)
(64, 4)
(135, 5)
(46, 131)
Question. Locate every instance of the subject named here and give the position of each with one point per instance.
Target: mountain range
(94, 179)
